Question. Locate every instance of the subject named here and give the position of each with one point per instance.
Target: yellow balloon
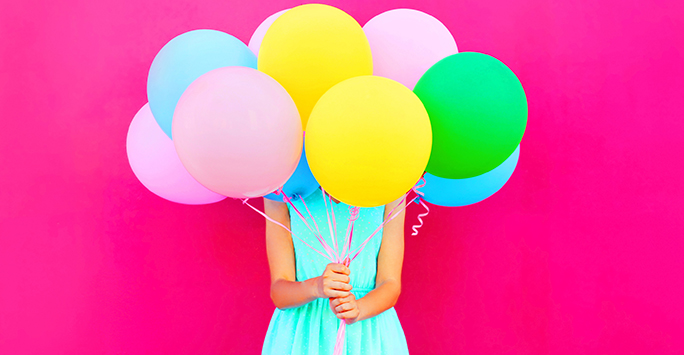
(312, 47)
(368, 141)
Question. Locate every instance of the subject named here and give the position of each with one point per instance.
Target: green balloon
(478, 112)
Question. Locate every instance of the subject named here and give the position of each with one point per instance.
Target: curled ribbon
(419, 200)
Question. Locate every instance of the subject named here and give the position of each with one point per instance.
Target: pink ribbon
(287, 229)
(339, 343)
(325, 245)
(333, 234)
(391, 216)
(354, 215)
(420, 194)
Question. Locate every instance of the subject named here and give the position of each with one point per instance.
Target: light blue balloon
(186, 58)
(463, 192)
(301, 183)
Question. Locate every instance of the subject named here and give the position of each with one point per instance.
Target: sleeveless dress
(311, 329)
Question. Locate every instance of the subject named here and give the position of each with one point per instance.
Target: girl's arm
(286, 292)
(388, 279)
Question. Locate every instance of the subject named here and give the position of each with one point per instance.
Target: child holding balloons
(312, 295)
(236, 122)
(367, 143)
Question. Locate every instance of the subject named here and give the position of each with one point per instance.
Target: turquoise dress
(311, 329)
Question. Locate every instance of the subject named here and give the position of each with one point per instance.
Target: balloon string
(420, 219)
(354, 211)
(283, 226)
(333, 233)
(420, 194)
(421, 183)
(320, 239)
(310, 215)
(353, 216)
(323, 242)
(403, 200)
(390, 218)
(327, 213)
(339, 344)
(333, 220)
(288, 201)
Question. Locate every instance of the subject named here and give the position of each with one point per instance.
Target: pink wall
(581, 253)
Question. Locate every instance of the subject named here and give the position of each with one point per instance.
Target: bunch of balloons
(382, 106)
(317, 99)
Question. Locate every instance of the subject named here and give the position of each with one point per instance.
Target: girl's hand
(346, 308)
(334, 282)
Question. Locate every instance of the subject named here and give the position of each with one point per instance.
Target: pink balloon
(238, 132)
(260, 32)
(155, 163)
(405, 43)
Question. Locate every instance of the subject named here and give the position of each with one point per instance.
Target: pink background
(580, 253)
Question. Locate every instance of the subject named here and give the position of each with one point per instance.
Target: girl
(312, 295)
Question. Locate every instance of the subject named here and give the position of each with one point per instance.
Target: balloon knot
(354, 213)
(421, 183)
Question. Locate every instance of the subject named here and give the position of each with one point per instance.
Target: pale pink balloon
(155, 163)
(238, 132)
(260, 32)
(405, 43)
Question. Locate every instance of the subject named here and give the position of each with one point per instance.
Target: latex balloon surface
(301, 184)
(184, 59)
(406, 43)
(463, 192)
(478, 112)
(155, 163)
(258, 35)
(238, 132)
(368, 141)
(310, 48)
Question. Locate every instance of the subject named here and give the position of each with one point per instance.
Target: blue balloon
(462, 192)
(301, 183)
(186, 58)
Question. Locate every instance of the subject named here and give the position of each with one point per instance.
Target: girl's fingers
(341, 278)
(336, 285)
(337, 294)
(344, 270)
(351, 314)
(349, 298)
(339, 268)
(345, 307)
(338, 301)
